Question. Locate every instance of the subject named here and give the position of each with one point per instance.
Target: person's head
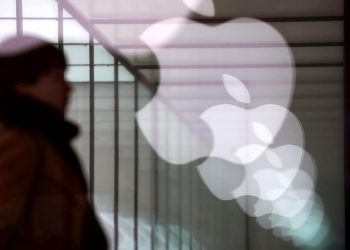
(33, 67)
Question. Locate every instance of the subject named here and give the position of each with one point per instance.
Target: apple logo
(228, 105)
(256, 128)
(290, 202)
(266, 178)
(232, 116)
(184, 95)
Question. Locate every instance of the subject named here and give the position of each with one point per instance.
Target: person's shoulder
(17, 139)
(19, 158)
(18, 154)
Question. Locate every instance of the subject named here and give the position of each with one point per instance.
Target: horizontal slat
(170, 8)
(180, 56)
(263, 76)
(328, 31)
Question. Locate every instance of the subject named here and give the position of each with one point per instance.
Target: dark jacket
(43, 195)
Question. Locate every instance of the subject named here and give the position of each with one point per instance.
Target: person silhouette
(43, 194)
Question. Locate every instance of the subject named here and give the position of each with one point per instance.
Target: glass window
(39, 8)
(126, 185)
(79, 111)
(77, 54)
(173, 204)
(124, 75)
(78, 74)
(104, 149)
(66, 14)
(8, 8)
(73, 32)
(46, 29)
(102, 56)
(104, 73)
(8, 28)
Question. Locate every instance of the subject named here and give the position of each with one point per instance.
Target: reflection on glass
(126, 234)
(185, 214)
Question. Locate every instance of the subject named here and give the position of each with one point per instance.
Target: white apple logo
(234, 123)
(187, 96)
(193, 115)
(242, 135)
(297, 193)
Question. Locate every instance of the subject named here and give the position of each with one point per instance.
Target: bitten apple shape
(191, 83)
(239, 135)
(266, 178)
(181, 125)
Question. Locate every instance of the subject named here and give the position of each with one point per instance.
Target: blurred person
(43, 194)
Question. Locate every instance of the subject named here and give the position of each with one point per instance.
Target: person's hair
(24, 59)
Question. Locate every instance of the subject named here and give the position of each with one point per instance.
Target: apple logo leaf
(262, 132)
(236, 88)
(203, 7)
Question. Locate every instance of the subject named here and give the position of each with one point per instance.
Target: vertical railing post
(136, 169)
(167, 190)
(347, 121)
(92, 121)
(180, 189)
(60, 25)
(19, 18)
(154, 178)
(116, 154)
